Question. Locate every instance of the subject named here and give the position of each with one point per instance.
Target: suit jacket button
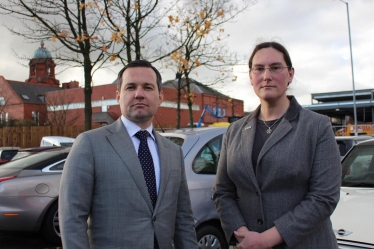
(257, 193)
(260, 222)
(154, 218)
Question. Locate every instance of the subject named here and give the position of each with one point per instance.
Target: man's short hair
(139, 63)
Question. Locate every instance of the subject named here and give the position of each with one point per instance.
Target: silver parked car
(353, 217)
(29, 193)
(201, 148)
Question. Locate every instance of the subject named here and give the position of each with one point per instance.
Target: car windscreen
(358, 167)
(35, 161)
(20, 155)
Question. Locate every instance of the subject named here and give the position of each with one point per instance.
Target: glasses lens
(275, 69)
(258, 70)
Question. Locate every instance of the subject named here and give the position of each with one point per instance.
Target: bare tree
(60, 111)
(92, 34)
(198, 27)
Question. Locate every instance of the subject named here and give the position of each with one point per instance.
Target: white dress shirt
(132, 129)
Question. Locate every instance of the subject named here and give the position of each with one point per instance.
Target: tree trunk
(87, 95)
(179, 77)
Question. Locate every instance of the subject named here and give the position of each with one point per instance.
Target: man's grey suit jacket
(104, 200)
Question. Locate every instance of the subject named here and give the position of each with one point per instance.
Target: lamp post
(353, 77)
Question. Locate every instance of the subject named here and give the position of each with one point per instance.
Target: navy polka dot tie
(146, 161)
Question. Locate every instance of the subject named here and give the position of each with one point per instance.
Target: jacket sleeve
(75, 198)
(184, 235)
(225, 197)
(324, 190)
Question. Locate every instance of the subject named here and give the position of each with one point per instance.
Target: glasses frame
(271, 69)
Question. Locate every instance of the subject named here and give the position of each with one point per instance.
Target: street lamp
(353, 77)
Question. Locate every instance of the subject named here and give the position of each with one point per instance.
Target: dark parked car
(345, 143)
(28, 151)
(7, 153)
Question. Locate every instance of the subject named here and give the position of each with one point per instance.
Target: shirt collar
(132, 128)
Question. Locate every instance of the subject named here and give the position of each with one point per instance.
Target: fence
(30, 136)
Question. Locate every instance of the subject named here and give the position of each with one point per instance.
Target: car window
(32, 160)
(177, 140)
(358, 167)
(58, 167)
(344, 146)
(206, 161)
(66, 144)
(8, 154)
(20, 155)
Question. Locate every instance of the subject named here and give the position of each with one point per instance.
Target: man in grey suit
(111, 197)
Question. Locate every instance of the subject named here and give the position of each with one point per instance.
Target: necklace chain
(269, 130)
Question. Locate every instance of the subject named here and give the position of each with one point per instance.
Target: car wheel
(211, 237)
(50, 226)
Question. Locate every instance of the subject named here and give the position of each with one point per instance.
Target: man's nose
(139, 93)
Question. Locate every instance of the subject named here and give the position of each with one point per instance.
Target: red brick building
(106, 110)
(40, 98)
(26, 100)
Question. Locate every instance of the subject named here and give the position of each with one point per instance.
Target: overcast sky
(315, 32)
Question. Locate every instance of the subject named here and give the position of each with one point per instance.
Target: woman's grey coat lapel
(247, 138)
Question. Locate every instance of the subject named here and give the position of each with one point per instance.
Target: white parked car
(57, 141)
(353, 219)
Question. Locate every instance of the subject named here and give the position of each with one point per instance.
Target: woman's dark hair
(274, 45)
(139, 63)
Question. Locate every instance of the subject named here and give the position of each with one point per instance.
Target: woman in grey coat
(279, 173)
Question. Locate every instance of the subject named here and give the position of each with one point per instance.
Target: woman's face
(270, 86)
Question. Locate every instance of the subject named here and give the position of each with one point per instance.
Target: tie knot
(142, 135)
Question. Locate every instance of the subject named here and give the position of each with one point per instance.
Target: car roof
(9, 148)
(361, 137)
(37, 149)
(195, 130)
(367, 142)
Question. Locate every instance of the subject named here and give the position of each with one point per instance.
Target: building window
(35, 116)
(6, 117)
(2, 101)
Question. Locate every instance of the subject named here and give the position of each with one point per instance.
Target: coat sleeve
(75, 198)
(184, 235)
(225, 197)
(324, 190)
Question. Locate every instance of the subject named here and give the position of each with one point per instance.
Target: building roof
(102, 117)
(32, 93)
(195, 87)
(42, 52)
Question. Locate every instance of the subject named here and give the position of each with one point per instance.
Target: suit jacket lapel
(247, 138)
(122, 144)
(164, 167)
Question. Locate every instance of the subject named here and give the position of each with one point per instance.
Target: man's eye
(259, 69)
(129, 87)
(275, 68)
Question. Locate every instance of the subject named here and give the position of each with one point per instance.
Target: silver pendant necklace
(269, 130)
